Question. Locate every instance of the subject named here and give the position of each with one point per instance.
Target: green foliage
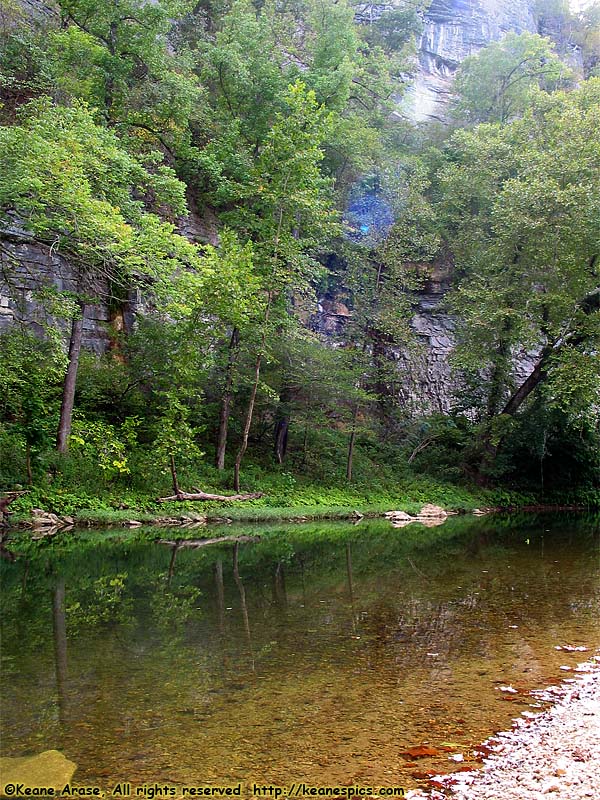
(587, 36)
(172, 607)
(30, 375)
(496, 84)
(520, 204)
(78, 190)
(175, 438)
(269, 119)
(101, 442)
(102, 601)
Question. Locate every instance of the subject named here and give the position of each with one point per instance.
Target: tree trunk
(535, 377)
(282, 420)
(500, 370)
(5, 501)
(172, 564)
(252, 401)
(588, 304)
(198, 495)
(247, 424)
(238, 581)
(281, 438)
(28, 464)
(174, 478)
(279, 589)
(350, 460)
(226, 400)
(220, 595)
(68, 394)
(381, 363)
(305, 444)
(60, 647)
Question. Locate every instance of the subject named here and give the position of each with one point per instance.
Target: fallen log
(197, 495)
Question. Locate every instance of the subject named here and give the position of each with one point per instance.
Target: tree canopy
(245, 171)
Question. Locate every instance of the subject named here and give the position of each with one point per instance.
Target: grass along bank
(303, 501)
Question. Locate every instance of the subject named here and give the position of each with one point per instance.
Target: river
(320, 653)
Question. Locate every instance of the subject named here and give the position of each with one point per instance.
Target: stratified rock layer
(455, 29)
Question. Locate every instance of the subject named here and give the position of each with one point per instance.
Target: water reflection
(243, 605)
(319, 653)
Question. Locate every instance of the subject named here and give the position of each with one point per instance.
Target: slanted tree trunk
(589, 304)
(226, 399)
(198, 495)
(536, 376)
(238, 581)
(68, 393)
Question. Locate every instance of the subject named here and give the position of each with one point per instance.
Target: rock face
(455, 29)
(28, 269)
(426, 381)
(428, 385)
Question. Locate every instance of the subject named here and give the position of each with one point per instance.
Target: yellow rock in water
(48, 769)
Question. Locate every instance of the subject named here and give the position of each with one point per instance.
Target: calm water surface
(319, 653)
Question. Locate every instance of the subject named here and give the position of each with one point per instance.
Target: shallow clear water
(328, 652)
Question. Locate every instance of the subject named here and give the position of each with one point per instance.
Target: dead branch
(198, 495)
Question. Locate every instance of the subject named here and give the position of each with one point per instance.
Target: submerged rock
(48, 769)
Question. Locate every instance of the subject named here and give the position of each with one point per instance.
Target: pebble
(554, 755)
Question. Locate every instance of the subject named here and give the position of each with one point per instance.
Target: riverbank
(188, 519)
(553, 754)
(300, 502)
(303, 503)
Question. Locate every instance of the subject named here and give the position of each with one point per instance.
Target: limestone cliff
(453, 30)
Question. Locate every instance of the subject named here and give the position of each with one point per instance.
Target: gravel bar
(552, 754)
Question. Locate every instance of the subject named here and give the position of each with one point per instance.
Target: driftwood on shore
(198, 495)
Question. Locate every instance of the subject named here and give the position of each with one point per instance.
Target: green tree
(496, 84)
(30, 377)
(76, 192)
(287, 216)
(117, 56)
(586, 35)
(521, 205)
